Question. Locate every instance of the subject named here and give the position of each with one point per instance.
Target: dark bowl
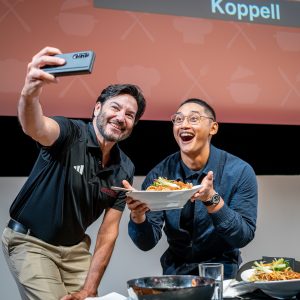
(171, 287)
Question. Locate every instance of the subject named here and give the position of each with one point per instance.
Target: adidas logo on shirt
(79, 169)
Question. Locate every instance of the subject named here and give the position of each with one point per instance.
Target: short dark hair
(121, 89)
(207, 108)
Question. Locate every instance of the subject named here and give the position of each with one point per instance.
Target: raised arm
(39, 127)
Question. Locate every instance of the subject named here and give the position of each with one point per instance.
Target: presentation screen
(243, 57)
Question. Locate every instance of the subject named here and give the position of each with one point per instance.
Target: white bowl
(164, 200)
(280, 289)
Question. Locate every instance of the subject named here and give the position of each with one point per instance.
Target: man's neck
(195, 161)
(105, 147)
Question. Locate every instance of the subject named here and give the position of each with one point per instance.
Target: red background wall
(250, 73)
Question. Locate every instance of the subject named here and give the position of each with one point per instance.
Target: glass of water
(216, 272)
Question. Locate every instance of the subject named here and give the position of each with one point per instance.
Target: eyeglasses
(193, 118)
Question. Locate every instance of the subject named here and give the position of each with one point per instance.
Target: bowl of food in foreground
(165, 194)
(275, 279)
(171, 287)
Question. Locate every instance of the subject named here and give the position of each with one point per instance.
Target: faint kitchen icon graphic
(75, 80)
(288, 41)
(243, 92)
(292, 88)
(147, 78)
(240, 33)
(11, 9)
(195, 81)
(74, 23)
(137, 22)
(67, 21)
(193, 30)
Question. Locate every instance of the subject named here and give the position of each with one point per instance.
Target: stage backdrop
(241, 56)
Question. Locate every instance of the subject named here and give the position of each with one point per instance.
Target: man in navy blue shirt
(69, 187)
(219, 219)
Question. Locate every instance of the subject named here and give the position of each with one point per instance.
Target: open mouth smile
(186, 136)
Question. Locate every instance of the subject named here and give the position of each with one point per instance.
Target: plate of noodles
(165, 194)
(275, 279)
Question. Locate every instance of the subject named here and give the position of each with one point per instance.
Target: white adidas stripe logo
(79, 169)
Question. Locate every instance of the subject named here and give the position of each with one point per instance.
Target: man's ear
(214, 128)
(97, 109)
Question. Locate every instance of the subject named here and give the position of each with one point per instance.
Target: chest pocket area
(102, 196)
(107, 197)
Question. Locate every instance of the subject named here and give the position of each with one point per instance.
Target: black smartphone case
(77, 63)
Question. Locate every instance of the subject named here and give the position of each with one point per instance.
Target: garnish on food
(278, 269)
(164, 184)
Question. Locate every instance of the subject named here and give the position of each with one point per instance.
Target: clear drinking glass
(215, 271)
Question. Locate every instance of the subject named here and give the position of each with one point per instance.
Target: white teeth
(185, 134)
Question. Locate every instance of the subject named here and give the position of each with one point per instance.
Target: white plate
(164, 200)
(280, 289)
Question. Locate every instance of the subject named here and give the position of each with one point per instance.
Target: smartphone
(77, 63)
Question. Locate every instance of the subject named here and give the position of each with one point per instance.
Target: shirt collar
(190, 174)
(92, 141)
(210, 165)
(213, 158)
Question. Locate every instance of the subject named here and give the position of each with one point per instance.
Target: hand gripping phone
(77, 63)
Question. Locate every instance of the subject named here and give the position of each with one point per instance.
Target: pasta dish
(278, 269)
(163, 184)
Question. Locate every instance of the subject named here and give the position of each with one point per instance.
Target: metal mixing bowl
(171, 287)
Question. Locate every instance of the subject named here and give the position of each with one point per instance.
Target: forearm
(234, 228)
(101, 257)
(98, 266)
(30, 114)
(236, 220)
(144, 235)
(39, 127)
(106, 239)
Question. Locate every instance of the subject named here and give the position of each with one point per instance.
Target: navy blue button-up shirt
(214, 237)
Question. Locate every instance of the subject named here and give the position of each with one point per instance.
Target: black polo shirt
(67, 189)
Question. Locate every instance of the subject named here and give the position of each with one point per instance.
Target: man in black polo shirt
(45, 244)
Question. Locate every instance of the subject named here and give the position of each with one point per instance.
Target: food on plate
(193, 283)
(278, 269)
(164, 184)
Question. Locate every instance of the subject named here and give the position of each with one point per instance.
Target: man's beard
(101, 123)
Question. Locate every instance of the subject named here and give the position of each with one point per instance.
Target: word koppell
(246, 11)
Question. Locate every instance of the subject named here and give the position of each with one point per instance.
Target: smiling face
(194, 138)
(115, 117)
